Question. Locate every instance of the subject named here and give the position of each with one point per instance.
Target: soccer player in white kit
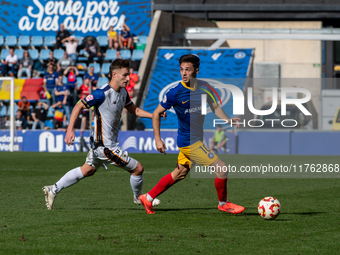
(108, 102)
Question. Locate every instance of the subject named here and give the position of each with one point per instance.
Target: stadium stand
(105, 68)
(79, 81)
(37, 41)
(44, 54)
(24, 41)
(82, 68)
(96, 67)
(1, 40)
(137, 55)
(102, 41)
(125, 54)
(80, 39)
(49, 41)
(102, 81)
(34, 53)
(19, 53)
(58, 53)
(11, 41)
(111, 55)
(4, 53)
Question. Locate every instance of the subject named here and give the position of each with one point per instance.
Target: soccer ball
(269, 208)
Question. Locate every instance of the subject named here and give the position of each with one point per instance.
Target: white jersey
(108, 106)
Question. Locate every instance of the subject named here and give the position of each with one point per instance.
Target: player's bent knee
(88, 170)
(139, 169)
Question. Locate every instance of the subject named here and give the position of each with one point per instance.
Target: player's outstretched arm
(219, 112)
(133, 109)
(69, 138)
(156, 124)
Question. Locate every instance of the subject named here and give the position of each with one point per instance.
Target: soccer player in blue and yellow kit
(185, 98)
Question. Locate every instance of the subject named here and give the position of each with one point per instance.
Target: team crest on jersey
(164, 99)
(89, 98)
(210, 155)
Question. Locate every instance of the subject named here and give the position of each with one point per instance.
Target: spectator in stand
(24, 107)
(93, 49)
(71, 73)
(51, 60)
(50, 81)
(39, 115)
(20, 121)
(125, 37)
(85, 88)
(92, 76)
(61, 91)
(71, 44)
(133, 80)
(112, 38)
(63, 63)
(10, 63)
(62, 33)
(25, 65)
(59, 121)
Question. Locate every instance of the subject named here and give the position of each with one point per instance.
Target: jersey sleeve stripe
(84, 102)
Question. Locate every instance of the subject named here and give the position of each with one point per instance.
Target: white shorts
(102, 156)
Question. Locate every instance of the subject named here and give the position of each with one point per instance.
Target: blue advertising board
(131, 141)
(218, 67)
(93, 17)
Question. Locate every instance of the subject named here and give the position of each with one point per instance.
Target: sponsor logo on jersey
(185, 102)
(89, 98)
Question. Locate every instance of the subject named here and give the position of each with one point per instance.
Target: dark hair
(118, 64)
(190, 58)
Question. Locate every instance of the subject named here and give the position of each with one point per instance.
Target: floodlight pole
(12, 120)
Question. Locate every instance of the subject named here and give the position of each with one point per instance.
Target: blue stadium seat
(34, 53)
(96, 67)
(44, 54)
(111, 55)
(49, 123)
(4, 53)
(102, 41)
(102, 81)
(3, 111)
(19, 53)
(49, 41)
(58, 54)
(142, 39)
(24, 41)
(137, 55)
(1, 40)
(50, 113)
(37, 41)
(82, 68)
(125, 54)
(11, 40)
(65, 80)
(79, 81)
(106, 68)
(82, 55)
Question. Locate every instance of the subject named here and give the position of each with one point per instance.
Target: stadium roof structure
(221, 35)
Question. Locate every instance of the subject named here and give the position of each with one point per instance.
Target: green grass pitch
(97, 215)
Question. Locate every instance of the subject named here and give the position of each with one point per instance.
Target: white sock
(136, 184)
(71, 177)
(149, 198)
(222, 203)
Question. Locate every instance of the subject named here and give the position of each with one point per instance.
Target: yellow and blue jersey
(186, 102)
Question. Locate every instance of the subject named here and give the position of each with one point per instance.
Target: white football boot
(49, 196)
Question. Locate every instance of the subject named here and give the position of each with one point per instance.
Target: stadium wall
(34, 17)
(247, 142)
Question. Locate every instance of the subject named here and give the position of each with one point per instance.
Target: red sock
(221, 189)
(164, 183)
